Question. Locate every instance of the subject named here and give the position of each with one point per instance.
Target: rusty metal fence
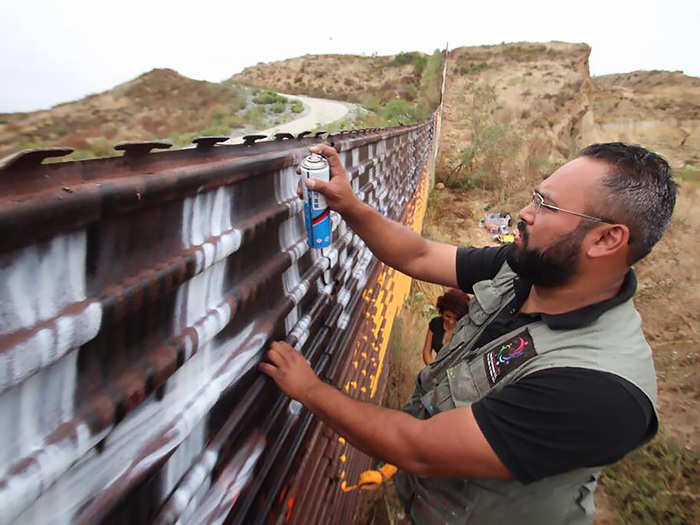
(137, 295)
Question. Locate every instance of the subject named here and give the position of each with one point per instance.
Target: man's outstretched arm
(448, 444)
(391, 242)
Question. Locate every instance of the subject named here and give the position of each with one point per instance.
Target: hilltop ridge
(352, 78)
(158, 104)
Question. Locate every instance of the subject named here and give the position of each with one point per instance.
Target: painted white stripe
(190, 395)
(48, 344)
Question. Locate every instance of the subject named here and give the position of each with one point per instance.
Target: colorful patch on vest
(508, 355)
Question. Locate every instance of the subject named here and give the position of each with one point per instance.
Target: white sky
(54, 51)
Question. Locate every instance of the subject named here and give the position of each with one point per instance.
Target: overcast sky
(59, 51)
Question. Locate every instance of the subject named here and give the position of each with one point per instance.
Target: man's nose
(527, 214)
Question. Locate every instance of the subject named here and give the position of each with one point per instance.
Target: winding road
(317, 111)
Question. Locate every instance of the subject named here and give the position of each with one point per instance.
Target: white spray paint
(224, 493)
(38, 285)
(128, 450)
(48, 344)
(35, 408)
(182, 458)
(206, 220)
(355, 156)
(50, 462)
(343, 320)
(197, 480)
(291, 237)
(39, 281)
(286, 182)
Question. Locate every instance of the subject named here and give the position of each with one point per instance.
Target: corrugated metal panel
(137, 295)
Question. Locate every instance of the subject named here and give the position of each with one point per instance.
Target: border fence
(137, 295)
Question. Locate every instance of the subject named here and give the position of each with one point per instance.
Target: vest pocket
(476, 313)
(438, 399)
(440, 500)
(463, 389)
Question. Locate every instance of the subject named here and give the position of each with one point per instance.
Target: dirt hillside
(540, 91)
(343, 77)
(515, 112)
(658, 108)
(158, 104)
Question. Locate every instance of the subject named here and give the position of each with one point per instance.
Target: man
(546, 379)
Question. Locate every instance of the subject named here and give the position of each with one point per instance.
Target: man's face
(551, 266)
(548, 252)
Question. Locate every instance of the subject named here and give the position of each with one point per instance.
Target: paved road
(318, 111)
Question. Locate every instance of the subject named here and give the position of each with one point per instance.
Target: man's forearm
(392, 243)
(447, 444)
(379, 432)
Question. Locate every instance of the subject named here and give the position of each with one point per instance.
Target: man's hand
(392, 243)
(289, 370)
(337, 191)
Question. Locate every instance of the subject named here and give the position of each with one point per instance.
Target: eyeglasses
(538, 202)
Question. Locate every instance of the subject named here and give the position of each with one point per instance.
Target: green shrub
(236, 121)
(102, 148)
(61, 129)
(297, 106)
(181, 140)
(239, 102)
(398, 112)
(431, 83)
(255, 116)
(79, 154)
(277, 107)
(269, 97)
(372, 104)
(411, 92)
(215, 130)
(492, 143)
(419, 61)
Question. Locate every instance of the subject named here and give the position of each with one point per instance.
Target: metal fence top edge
(48, 198)
(20, 181)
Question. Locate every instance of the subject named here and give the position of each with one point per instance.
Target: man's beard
(551, 267)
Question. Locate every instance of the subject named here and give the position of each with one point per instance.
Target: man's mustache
(523, 231)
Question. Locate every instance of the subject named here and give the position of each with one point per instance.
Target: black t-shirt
(437, 327)
(563, 418)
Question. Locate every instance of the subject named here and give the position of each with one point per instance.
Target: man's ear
(607, 240)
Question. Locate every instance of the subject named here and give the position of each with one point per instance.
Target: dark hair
(640, 193)
(455, 301)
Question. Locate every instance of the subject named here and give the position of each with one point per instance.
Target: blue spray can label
(316, 212)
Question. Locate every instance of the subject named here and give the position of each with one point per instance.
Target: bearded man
(546, 379)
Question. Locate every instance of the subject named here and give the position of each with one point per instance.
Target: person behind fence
(546, 379)
(452, 306)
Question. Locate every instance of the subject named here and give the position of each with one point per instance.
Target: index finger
(329, 152)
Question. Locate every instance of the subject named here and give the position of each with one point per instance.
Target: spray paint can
(316, 212)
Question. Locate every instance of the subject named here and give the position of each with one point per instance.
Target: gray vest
(463, 374)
